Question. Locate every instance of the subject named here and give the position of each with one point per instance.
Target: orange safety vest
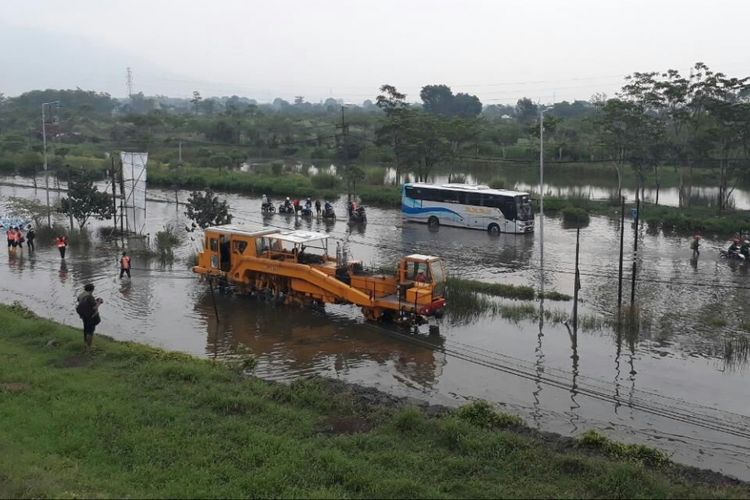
(17, 236)
(125, 262)
(60, 242)
(9, 234)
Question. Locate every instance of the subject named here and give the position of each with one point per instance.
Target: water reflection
(287, 341)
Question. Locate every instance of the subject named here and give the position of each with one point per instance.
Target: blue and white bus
(467, 205)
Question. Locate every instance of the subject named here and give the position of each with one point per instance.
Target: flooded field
(679, 384)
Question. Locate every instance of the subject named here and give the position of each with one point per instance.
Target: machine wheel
(493, 229)
(433, 222)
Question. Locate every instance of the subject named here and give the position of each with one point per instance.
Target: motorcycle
(329, 214)
(267, 208)
(732, 255)
(358, 215)
(286, 209)
(306, 212)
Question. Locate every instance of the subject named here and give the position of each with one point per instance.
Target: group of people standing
(16, 238)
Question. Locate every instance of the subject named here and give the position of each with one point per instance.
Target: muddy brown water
(671, 386)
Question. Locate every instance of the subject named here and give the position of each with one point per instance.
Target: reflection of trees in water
(302, 340)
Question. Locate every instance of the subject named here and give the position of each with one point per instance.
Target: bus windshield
(523, 206)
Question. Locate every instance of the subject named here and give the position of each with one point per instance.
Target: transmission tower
(129, 82)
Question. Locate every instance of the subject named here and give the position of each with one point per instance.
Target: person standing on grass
(88, 310)
(62, 244)
(124, 265)
(30, 235)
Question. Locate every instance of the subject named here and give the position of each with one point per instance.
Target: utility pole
(622, 242)
(129, 82)
(541, 191)
(635, 246)
(342, 145)
(44, 147)
(114, 191)
(577, 285)
(179, 152)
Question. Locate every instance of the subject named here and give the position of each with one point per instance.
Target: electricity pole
(44, 147)
(541, 191)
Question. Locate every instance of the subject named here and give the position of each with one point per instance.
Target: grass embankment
(128, 420)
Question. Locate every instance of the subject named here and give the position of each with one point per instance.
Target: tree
(437, 99)
(206, 210)
(526, 110)
(466, 105)
(84, 201)
(398, 116)
(196, 100)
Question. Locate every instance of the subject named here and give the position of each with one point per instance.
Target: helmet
(287, 198)
(308, 199)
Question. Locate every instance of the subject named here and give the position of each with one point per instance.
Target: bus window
(523, 206)
(473, 199)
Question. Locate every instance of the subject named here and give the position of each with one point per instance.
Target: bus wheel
(433, 222)
(493, 229)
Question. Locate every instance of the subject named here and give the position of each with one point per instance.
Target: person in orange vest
(124, 265)
(19, 239)
(62, 244)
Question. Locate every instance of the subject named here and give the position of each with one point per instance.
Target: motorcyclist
(734, 248)
(287, 203)
(308, 204)
(745, 249)
(327, 207)
(264, 201)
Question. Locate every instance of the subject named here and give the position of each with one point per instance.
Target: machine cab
(422, 275)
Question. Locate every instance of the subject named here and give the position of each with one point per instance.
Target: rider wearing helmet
(308, 203)
(734, 247)
(288, 203)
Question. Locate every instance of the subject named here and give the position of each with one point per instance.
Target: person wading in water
(88, 310)
(62, 244)
(124, 265)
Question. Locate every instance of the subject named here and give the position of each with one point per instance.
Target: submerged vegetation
(501, 290)
(129, 420)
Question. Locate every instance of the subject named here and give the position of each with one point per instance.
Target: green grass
(129, 420)
(502, 290)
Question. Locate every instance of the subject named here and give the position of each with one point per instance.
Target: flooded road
(671, 386)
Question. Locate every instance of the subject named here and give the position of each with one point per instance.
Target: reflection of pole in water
(539, 365)
(631, 362)
(574, 416)
(618, 352)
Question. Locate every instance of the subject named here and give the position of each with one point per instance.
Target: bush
(482, 414)
(497, 183)
(324, 181)
(575, 216)
(167, 240)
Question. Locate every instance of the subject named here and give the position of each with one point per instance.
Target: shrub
(575, 216)
(324, 181)
(482, 414)
(497, 183)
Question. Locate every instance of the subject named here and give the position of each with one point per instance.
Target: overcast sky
(499, 50)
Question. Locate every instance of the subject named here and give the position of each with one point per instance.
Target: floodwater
(674, 385)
